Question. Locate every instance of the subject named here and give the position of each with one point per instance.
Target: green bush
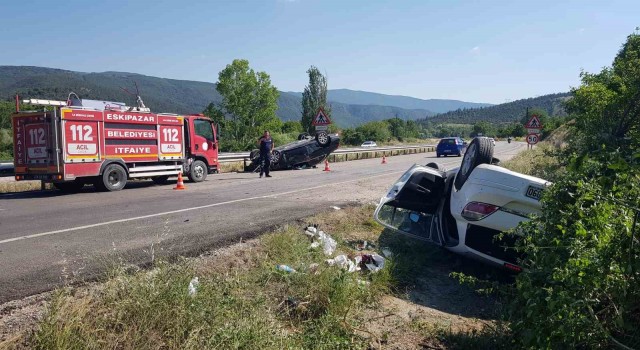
(581, 287)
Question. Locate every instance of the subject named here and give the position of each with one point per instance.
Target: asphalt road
(49, 238)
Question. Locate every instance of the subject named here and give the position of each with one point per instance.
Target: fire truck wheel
(160, 180)
(198, 171)
(69, 186)
(114, 178)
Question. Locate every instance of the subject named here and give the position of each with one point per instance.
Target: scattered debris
(328, 243)
(343, 262)
(285, 268)
(313, 268)
(387, 252)
(311, 231)
(371, 262)
(361, 245)
(193, 286)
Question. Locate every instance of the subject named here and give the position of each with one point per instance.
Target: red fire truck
(80, 142)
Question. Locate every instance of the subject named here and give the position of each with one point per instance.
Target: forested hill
(167, 95)
(503, 113)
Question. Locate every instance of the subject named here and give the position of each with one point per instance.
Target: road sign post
(321, 121)
(533, 127)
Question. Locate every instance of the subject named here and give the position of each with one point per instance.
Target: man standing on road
(266, 147)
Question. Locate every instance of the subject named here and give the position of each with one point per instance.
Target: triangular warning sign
(321, 119)
(534, 123)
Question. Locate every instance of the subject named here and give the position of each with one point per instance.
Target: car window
(407, 221)
(448, 142)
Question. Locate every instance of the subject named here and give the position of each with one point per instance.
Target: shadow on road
(423, 272)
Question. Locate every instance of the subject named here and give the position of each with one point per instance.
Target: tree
(314, 97)
(606, 106)
(291, 126)
(249, 101)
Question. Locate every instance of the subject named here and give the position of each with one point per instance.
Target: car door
(204, 140)
(412, 205)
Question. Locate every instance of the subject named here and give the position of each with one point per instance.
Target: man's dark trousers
(265, 160)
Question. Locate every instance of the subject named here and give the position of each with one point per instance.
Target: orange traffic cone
(326, 165)
(180, 185)
(384, 159)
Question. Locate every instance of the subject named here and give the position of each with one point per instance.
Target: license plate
(534, 192)
(447, 151)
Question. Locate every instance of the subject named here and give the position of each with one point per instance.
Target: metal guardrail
(241, 156)
(238, 157)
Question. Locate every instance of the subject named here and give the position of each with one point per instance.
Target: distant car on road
(463, 209)
(369, 144)
(304, 153)
(450, 146)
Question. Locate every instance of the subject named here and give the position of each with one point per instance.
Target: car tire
(303, 136)
(113, 178)
(160, 180)
(479, 151)
(197, 171)
(323, 139)
(69, 187)
(276, 160)
(437, 155)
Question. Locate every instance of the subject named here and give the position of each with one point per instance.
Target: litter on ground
(343, 262)
(336, 208)
(193, 286)
(328, 243)
(285, 268)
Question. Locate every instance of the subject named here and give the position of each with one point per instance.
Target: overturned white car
(463, 209)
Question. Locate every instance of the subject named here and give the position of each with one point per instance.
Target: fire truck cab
(79, 142)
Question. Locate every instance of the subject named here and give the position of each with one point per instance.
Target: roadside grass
(539, 162)
(243, 301)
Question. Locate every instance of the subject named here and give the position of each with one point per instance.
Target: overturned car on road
(466, 208)
(307, 152)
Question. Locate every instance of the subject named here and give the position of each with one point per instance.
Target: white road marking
(77, 228)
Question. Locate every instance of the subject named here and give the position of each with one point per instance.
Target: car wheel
(303, 136)
(197, 171)
(459, 154)
(480, 151)
(276, 159)
(69, 187)
(323, 139)
(113, 178)
(160, 180)
(437, 155)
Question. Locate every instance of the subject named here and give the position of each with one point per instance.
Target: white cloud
(475, 50)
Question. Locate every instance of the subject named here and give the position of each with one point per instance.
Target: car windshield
(407, 221)
(448, 141)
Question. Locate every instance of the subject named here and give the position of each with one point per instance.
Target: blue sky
(490, 51)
